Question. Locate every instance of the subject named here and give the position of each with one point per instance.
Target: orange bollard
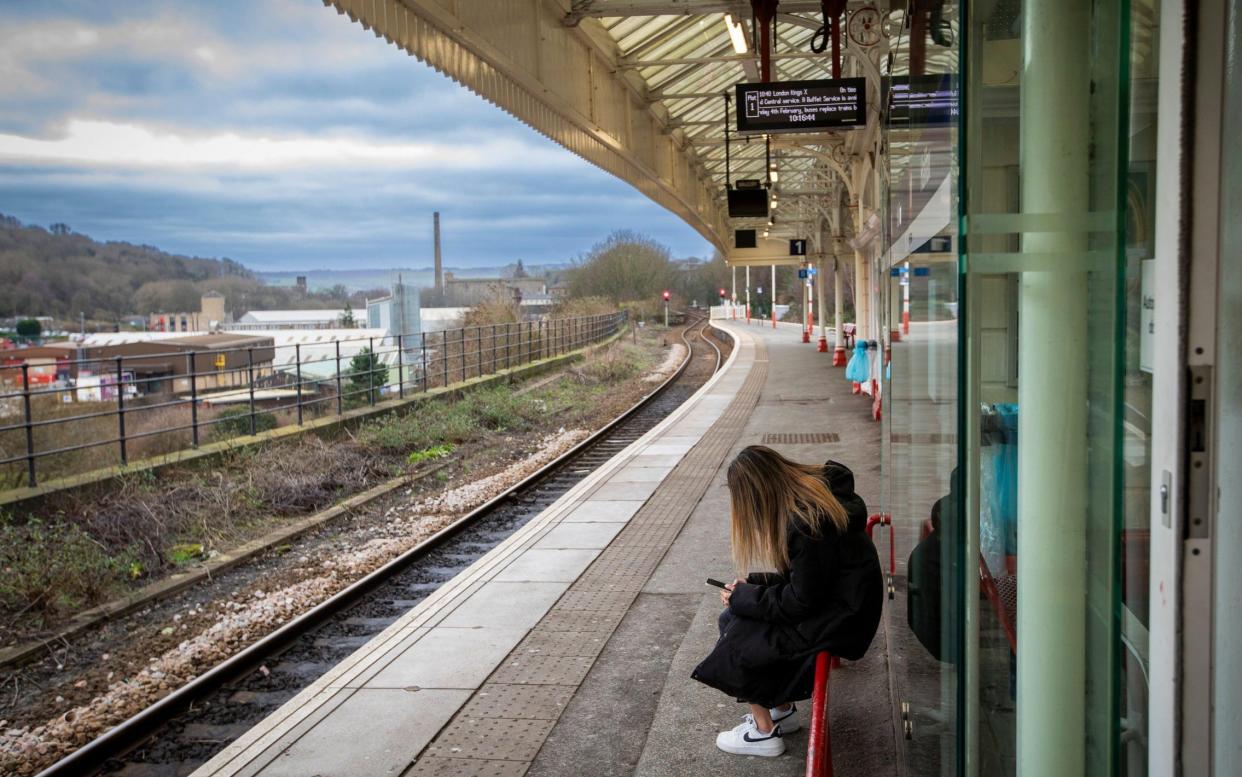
(823, 344)
(838, 357)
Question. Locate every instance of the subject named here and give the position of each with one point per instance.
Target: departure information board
(922, 101)
(802, 106)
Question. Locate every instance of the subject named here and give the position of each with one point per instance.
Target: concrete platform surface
(450, 643)
(567, 650)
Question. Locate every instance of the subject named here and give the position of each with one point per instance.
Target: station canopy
(640, 88)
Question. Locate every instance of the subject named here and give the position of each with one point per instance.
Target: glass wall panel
(1043, 267)
(918, 182)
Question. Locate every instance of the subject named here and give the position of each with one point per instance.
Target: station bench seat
(819, 741)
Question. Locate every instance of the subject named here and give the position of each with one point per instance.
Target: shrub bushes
(616, 364)
(235, 421)
(55, 568)
(495, 409)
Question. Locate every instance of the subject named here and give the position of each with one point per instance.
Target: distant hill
(353, 280)
(60, 273)
(374, 278)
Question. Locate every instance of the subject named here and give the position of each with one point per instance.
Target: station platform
(567, 649)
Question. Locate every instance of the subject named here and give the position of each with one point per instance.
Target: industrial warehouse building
(154, 366)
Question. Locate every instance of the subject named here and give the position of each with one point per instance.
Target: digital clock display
(802, 106)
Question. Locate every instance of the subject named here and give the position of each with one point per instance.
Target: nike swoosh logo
(746, 737)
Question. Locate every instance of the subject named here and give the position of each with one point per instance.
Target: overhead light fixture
(775, 203)
(765, 233)
(774, 176)
(736, 34)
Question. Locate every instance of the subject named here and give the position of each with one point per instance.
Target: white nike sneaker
(746, 739)
(788, 719)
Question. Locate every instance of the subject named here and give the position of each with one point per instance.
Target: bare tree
(625, 267)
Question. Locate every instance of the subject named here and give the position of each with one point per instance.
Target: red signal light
(666, 296)
(722, 294)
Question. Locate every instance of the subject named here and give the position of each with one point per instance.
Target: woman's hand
(728, 591)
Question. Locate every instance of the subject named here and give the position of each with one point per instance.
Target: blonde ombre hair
(768, 491)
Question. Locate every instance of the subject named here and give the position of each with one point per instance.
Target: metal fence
(129, 408)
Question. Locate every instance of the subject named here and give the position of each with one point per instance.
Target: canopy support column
(823, 321)
(1052, 457)
(838, 300)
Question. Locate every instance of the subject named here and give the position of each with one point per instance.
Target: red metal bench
(819, 740)
(1002, 594)
(884, 519)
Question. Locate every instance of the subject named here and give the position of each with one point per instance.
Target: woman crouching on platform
(806, 522)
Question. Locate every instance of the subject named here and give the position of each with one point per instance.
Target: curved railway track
(188, 726)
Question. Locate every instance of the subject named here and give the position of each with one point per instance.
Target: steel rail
(703, 334)
(133, 731)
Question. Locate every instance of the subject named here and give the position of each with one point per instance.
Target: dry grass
(583, 306)
(150, 431)
(620, 362)
(133, 522)
(493, 312)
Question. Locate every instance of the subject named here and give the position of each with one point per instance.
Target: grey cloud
(292, 68)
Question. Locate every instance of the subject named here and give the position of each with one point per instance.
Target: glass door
(1042, 253)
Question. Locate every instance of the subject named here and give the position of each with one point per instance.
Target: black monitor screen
(748, 202)
(802, 106)
(744, 238)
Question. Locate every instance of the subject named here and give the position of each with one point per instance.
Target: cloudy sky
(284, 136)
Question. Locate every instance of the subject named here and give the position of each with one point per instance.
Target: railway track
(192, 724)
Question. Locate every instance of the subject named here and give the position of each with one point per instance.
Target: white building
(288, 319)
(396, 313)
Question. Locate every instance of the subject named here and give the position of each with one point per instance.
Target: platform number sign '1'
(797, 247)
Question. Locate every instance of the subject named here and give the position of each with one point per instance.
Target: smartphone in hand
(717, 583)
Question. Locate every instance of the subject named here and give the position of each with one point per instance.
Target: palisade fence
(153, 404)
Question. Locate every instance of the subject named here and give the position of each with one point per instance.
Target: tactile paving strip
(556, 655)
(432, 766)
(800, 438)
(491, 739)
(541, 669)
(538, 702)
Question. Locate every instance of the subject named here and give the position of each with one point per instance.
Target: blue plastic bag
(858, 370)
(1006, 463)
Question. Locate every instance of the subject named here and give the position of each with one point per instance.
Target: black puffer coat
(831, 600)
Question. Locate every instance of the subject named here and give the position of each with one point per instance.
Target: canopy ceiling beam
(584, 9)
(712, 60)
